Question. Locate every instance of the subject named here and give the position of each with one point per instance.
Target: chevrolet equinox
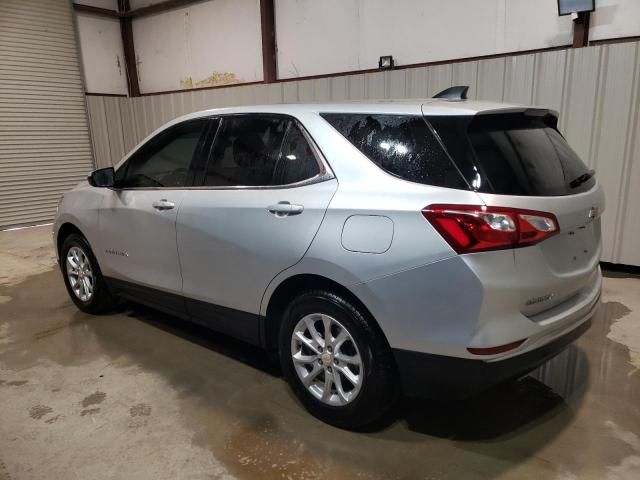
(427, 247)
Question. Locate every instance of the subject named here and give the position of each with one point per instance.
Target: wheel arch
(64, 231)
(291, 287)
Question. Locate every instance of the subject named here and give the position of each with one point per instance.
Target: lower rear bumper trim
(436, 376)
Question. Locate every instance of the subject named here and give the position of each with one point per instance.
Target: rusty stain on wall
(214, 80)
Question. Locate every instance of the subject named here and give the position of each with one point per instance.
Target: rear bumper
(437, 376)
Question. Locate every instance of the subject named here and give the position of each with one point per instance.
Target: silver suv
(431, 248)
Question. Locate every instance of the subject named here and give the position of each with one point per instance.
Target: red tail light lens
(478, 228)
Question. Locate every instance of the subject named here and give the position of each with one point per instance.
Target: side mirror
(103, 177)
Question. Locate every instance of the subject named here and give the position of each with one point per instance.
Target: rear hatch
(518, 159)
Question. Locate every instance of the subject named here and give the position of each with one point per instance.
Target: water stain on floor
(93, 399)
(629, 466)
(140, 410)
(625, 329)
(14, 383)
(38, 411)
(53, 419)
(89, 411)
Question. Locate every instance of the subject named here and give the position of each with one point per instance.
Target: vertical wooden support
(268, 24)
(581, 30)
(126, 30)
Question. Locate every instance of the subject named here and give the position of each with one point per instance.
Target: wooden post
(126, 30)
(268, 24)
(581, 30)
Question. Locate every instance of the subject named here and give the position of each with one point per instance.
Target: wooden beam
(581, 30)
(126, 31)
(138, 12)
(159, 7)
(269, 58)
(105, 12)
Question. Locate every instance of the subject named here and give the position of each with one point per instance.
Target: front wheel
(83, 278)
(337, 364)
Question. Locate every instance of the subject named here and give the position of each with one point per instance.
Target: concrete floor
(139, 395)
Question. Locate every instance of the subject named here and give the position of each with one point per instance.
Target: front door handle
(284, 209)
(163, 204)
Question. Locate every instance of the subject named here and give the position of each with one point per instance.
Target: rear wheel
(83, 278)
(339, 367)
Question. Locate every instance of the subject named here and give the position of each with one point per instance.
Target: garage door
(44, 138)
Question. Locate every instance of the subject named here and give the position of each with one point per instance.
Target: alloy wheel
(326, 359)
(79, 273)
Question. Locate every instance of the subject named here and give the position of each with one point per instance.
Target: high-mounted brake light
(478, 228)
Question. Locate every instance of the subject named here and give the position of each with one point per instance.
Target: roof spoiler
(453, 93)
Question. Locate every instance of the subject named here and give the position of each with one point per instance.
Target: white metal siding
(596, 90)
(44, 137)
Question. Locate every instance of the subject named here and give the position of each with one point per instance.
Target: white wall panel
(203, 45)
(101, 53)
(218, 41)
(319, 37)
(595, 89)
(615, 18)
(529, 25)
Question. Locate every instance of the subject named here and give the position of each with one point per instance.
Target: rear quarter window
(402, 145)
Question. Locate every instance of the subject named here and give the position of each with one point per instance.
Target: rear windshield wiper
(576, 182)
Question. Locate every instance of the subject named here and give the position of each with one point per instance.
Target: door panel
(139, 241)
(137, 221)
(232, 243)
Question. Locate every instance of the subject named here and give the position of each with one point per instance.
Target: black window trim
(325, 173)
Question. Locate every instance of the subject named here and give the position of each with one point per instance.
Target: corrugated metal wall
(44, 136)
(596, 90)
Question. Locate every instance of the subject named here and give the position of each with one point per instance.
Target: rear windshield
(402, 145)
(513, 154)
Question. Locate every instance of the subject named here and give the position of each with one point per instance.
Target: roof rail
(453, 93)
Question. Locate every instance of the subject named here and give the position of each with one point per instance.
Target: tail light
(478, 228)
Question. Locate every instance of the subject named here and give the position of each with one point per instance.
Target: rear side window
(402, 145)
(245, 151)
(513, 154)
(260, 150)
(296, 161)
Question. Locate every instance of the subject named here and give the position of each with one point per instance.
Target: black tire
(378, 391)
(101, 300)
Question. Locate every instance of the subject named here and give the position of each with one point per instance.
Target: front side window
(165, 160)
(402, 145)
(259, 150)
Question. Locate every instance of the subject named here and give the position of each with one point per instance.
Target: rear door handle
(163, 205)
(284, 209)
